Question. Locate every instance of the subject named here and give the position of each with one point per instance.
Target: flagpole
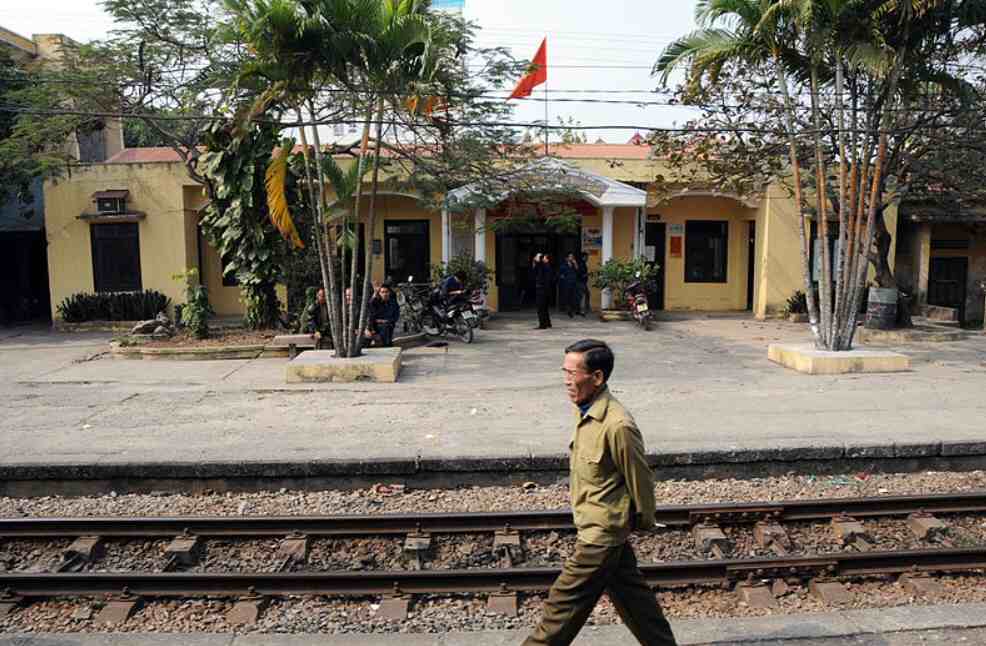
(546, 131)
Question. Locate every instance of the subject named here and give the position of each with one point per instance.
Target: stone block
(950, 449)
(118, 611)
(322, 366)
(830, 592)
(805, 358)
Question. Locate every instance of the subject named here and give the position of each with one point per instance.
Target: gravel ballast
(465, 612)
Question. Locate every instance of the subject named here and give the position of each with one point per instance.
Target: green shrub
(616, 275)
(797, 304)
(195, 313)
(113, 306)
(478, 275)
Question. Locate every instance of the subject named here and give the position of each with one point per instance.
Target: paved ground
(694, 383)
(914, 626)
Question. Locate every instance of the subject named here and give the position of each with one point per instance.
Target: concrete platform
(705, 396)
(804, 357)
(920, 333)
(906, 626)
(382, 365)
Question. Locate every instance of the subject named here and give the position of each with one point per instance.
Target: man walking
(612, 492)
(542, 285)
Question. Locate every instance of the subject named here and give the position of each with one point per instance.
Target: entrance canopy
(550, 175)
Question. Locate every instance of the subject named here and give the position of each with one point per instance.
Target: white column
(446, 236)
(607, 249)
(639, 239)
(480, 245)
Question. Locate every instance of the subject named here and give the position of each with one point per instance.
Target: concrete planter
(614, 315)
(322, 366)
(94, 326)
(215, 353)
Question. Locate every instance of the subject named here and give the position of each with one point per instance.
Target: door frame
(656, 300)
(386, 248)
(963, 284)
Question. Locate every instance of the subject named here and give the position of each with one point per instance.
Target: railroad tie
(709, 538)
(921, 585)
(183, 550)
(394, 606)
(507, 544)
(118, 609)
(771, 534)
(292, 551)
(83, 550)
(416, 545)
(852, 532)
(503, 602)
(247, 610)
(756, 594)
(832, 593)
(926, 527)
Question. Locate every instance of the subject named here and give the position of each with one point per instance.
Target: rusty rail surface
(139, 584)
(453, 523)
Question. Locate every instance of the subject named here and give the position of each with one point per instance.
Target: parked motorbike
(636, 295)
(445, 318)
(477, 305)
(413, 299)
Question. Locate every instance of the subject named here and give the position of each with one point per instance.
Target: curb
(414, 466)
(689, 632)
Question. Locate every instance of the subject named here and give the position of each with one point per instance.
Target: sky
(598, 46)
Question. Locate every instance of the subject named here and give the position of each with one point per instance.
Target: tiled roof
(144, 156)
(565, 151)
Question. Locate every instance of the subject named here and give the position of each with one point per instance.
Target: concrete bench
(294, 342)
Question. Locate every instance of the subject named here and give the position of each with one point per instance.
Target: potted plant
(615, 275)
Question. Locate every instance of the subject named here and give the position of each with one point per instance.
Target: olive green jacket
(612, 486)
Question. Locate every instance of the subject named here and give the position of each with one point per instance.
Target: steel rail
(463, 522)
(477, 580)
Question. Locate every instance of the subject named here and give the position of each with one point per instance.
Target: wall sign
(676, 229)
(676, 245)
(592, 238)
(377, 246)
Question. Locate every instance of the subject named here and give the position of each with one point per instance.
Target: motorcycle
(477, 305)
(636, 295)
(413, 299)
(455, 317)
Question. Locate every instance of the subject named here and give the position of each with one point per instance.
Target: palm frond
(275, 181)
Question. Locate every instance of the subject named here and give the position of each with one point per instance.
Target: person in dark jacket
(584, 303)
(568, 286)
(317, 323)
(543, 281)
(384, 313)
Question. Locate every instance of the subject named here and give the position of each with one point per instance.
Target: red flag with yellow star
(536, 74)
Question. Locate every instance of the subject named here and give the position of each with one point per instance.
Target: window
(706, 251)
(408, 250)
(116, 257)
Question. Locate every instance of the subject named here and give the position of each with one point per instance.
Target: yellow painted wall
(780, 272)
(155, 189)
(731, 295)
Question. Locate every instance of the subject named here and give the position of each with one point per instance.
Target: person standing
(612, 494)
(585, 304)
(542, 288)
(568, 285)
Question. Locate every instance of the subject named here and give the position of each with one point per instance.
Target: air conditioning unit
(110, 202)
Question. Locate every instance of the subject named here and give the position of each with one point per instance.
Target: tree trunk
(371, 224)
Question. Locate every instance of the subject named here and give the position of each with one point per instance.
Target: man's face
(321, 297)
(384, 293)
(349, 295)
(580, 385)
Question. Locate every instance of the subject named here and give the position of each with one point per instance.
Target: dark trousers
(544, 319)
(571, 299)
(385, 333)
(588, 572)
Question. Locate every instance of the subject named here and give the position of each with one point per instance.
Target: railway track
(756, 579)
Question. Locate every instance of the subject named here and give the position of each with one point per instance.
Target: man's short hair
(386, 286)
(596, 355)
(461, 275)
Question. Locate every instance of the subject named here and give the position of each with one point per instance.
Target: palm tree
(753, 37)
(376, 50)
(817, 42)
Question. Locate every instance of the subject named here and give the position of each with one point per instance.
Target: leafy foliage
(196, 311)
(478, 275)
(617, 274)
(113, 306)
(797, 304)
(236, 221)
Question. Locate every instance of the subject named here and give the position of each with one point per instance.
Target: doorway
(947, 283)
(654, 236)
(514, 253)
(407, 250)
(751, 262)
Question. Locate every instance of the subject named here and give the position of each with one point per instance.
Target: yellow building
(716, 252)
